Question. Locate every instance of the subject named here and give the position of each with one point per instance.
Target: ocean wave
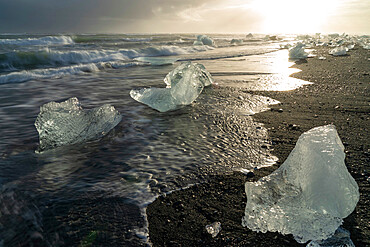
(35, 59)
(48, 40)
(137, 39)
(47, 57)
(27, 75)
(155, 51)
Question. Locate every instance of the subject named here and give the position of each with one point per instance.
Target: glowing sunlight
(291, 16)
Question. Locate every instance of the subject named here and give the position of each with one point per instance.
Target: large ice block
(236, 42)
(308, 195)
(205, 40)
(297, 52)
(339, 51)
(184, 84)
(67, 123)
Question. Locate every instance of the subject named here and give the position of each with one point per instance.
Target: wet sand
(339, 96)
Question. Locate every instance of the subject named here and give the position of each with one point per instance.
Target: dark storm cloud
(83, 15)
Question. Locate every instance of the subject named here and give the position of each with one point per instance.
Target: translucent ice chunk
(309, 195)
(350, 46)
(187, 82)
(214, 228)
(159, 99)
(236, 41)
(297, 52)
(339, 51)
(67, 123)
(184, 84)
(205, 40)
(341, 238)
(175, 76)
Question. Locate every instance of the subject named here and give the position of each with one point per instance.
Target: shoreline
(340, 96)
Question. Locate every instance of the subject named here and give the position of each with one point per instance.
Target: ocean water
(96, 192)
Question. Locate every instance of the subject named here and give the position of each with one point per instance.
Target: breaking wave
(48, 40)
(47, 57)
(155, 51)
(137, 39)
(27, 75)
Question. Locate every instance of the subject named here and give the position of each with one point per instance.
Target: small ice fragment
(67, 123)
(341, 238)
(214, 228)
(322, 58)
(205, 40)
(249, 36)
(286, 46)
(351, 46)
(298, 52)
(236, 41)
(366, 46)
(309, 194)
(184, 84)
(339, 51)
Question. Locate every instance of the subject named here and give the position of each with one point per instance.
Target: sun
(294, 16)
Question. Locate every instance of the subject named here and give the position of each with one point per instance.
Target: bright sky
(185, 16)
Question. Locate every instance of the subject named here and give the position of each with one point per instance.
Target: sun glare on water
(294, 16)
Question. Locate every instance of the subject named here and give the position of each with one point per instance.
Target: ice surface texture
(67, 123)
(308, 195)
(341, 238)
(184, 84)
(297, 52)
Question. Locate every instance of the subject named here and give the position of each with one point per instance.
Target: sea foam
(48, 40)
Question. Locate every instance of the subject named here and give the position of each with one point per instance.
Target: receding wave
(27, 75)
(47, 57)
(48, 40)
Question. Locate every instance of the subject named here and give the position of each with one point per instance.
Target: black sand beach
(339, 95)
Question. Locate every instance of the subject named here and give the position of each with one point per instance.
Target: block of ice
(214, 228)
(297, 52)
(205, 40)
(184, 84)
(67, 123)
(236, 41)
(339, 51)
(308, 195)
(341, 238)
(249, 36)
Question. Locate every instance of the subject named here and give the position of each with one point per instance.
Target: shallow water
(98, 190)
